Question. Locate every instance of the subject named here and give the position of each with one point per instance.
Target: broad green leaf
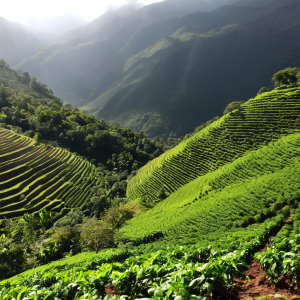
(194, 283)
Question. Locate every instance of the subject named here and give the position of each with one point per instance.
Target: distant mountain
(165, 71)
(58, 25)
(17, 41)
(77, 68)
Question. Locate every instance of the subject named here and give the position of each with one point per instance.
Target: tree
(288, 76)
(233, 106)
(30, 222)
(161, 195)
(25, 78)
(66, 240)
(34, 84)
(97, 235)
(68, 105)
(117, 216)
(37, 137)
(263, 90)
(54, 118)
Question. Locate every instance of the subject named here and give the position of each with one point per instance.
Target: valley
(152, 153)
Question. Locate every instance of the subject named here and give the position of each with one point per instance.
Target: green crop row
(34, 177)
(219, 203)
(179, 273)
(282, 256)
(258, 122)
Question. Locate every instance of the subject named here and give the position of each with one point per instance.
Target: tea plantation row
(259, 121)
(35, 177)
(214, 206)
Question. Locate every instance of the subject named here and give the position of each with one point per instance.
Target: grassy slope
(34, 177)
(238, 190)
(260, 120)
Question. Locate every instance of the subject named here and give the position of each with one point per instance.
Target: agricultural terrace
(259, 121)
(35, 176)
(213, 207)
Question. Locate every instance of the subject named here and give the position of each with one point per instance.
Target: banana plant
(45, 218)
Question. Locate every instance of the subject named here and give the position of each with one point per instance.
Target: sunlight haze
(21, 11)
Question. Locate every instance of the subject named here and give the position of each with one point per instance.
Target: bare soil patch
(257, 284)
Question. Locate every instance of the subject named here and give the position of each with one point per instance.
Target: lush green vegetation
(241, 193)
(36, 176)
(257, 122)
(38, 172)
(27, 242)
(28, 107)
(186, 273)
(219, 194)
(167, 77)
(283, 253)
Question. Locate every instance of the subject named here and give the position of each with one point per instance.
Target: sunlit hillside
(256, 123)
(37, 176)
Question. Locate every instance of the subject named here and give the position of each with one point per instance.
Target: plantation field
(34, 177)
(259, 121)
(213, 207)
(69, 262)
(185, 272)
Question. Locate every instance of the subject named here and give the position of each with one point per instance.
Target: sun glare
(21, 10)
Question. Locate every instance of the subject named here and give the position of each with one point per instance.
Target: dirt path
(257, 285)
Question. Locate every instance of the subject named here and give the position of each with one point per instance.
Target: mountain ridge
(19, 41)
(139, 83)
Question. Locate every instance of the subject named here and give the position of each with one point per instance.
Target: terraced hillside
(215, 208)
(35, 177)
(259, 121)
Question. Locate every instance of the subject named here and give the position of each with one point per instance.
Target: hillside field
(259, 121)
(36, 176)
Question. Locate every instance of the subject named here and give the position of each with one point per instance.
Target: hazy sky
(20, 10)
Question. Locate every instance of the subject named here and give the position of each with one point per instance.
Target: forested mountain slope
(257, 122)
(89, 60)
(201, 71)
(29, 107)
(171, 76)
(19, 41)
(78, 153)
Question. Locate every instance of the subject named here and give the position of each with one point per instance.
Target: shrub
(263, 90)
(97, 235)
(286, 211)
(67, 240)
(233, 106)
